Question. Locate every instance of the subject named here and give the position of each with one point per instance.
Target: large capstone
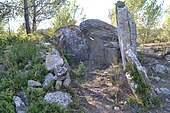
(98, 29)
(94, 41)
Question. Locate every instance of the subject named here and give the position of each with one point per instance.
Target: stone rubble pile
(53, 63)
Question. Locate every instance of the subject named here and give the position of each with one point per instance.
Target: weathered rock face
(165, 91)
(63, 99)
(94, 40)
(76, 47)
(97, 51)
(98, 29)
(53, 59)
(55, 63)
(160, 69)
(20, 105)
(48, 78)
(32, 83)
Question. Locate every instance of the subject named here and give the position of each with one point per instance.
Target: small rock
(63, 99)
(67, 81)
(160, 69)
(2, 67)
(46, 44)
(167, 50)
(58, 84)
(157, 90)
(162, 80)
(165, 91)
(22, 95)
(116, 108)
(157, 79)
(149, 50)
(32, 83)
(134, 85)
(53, 59)
(48, 78)
(167, 57)
(59, 71)
(61, 78)
(167, 100)
(20, 105)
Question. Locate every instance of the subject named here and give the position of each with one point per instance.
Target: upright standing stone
(127, 42)
(126, 31)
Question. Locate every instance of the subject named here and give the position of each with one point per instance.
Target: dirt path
(102, 91)
(105, 91)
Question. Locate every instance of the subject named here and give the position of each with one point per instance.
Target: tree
(166, 26)
(41, 10)
(134, 6)
(149, 19)
(4, 14)
(146, 14)
(26, 16)
(34, 10)
(69, 14)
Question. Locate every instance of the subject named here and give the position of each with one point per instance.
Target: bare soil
(103, 91)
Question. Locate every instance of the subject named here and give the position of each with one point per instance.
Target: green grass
(146, 100)
(14, 79)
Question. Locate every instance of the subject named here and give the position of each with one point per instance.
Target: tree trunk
(9, 28)
(26, 12)
(34, 27)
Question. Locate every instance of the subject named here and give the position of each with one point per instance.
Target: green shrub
(79, 71)
(37, 73)
(44, 107)
(6, 83)
(20, 81)
(50, 87)
(6, 101)
(143, 90)
(34, 94)
(22, 53)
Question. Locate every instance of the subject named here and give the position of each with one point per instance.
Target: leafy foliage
(69, 14)
(145, 100)
(22, 62)
(147, 15)
(79, 71)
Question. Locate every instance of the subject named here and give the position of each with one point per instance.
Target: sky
(99, 9)
(93, 9)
